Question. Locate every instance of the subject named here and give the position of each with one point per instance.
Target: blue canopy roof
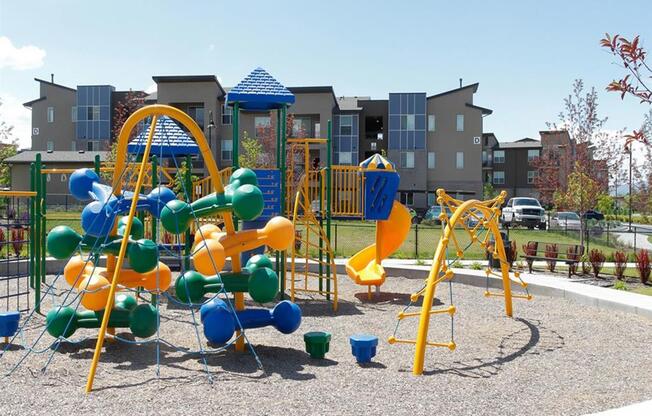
(259, 91)
(168, 140)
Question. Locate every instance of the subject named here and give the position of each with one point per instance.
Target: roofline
(53, 84)
(29, 103)
(474, 86)
(188, 78)
(316, 89)
(552, 131)
(485, 111)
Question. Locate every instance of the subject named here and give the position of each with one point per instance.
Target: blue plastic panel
(379, 190)
(269, 182)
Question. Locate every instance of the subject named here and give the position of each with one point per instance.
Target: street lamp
(211, 126)
(629, 149)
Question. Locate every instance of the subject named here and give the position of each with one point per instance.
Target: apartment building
(434, 140)
(511, 166)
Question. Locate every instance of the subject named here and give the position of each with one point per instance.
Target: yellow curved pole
(139, 115)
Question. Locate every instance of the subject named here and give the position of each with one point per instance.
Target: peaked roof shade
(169, 140)
(259, 91)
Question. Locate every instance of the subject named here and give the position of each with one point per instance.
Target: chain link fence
(350, 237)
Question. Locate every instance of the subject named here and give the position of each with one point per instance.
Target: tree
(606, 204)
(547, 180)
(131, 102)
(253, 153)
(637, 81)
(488, 191)
(581, 194)
(8, 148)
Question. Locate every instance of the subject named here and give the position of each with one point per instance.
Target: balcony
(376, 135)
(487, 164)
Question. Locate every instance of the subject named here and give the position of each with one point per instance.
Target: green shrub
(476, 266)
(620, 285)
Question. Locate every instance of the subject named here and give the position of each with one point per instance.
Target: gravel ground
(554, 357)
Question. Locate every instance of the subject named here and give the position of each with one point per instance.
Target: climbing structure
(485, 215)
(312, 266)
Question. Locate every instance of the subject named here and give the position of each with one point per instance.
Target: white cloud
(15, 114)
(151, 89)
(25, 57)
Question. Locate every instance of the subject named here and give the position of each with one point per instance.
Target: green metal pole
(32, 231)
(329, 191)
(37, 233)
(44, 228)
(97, 165)
(278, 166)
(321, 242)
(283, 176)
(188, 180)
(154, 237)
(236, 135)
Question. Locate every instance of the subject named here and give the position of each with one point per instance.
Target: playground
(175, 295)
(563, 356)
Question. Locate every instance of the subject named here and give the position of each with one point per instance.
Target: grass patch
(643, 290)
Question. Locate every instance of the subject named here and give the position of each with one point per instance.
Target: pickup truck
(526, 212)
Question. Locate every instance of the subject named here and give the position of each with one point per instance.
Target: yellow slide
(365, 266)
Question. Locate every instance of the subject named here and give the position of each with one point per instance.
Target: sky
(525, 54)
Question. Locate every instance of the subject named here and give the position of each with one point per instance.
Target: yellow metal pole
(120, 260)
(504, 267)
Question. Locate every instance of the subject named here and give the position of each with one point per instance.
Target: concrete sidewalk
(538, 284)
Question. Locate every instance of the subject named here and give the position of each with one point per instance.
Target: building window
(227, 149)
(73, 114)
(346, 125)
(227, 114)
(261, 125)
(499, 177)
(373, 145)
(531, 175)
(48, 177)
(301, 127)
(407, 122)
(197, 114)
(407, 198)
(64, 178)
(345, 158)
(459, 160)
(317, 130)
(89, 146)
(499, 156)
(407, 160)
(96, 112)
(50, 146)
(460, 122)
(431, 160)
(532, 154)
(50, 114)
(431, 122)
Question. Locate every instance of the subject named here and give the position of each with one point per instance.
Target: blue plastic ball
(81, 183)
(158, 198)
(287, 316)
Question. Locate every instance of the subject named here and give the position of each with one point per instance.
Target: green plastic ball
(142, 255)
(62, 241)
(243, 176)
(124, 302)
(175, 216)
(247, 202)
(143, 321)
(259, 261)
(263, 285)
(190, 287)
(58, 319)
(137, 227)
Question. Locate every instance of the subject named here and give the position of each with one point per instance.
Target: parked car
(565, 221)
(522, 211)
(431, 217)
(593, 215)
